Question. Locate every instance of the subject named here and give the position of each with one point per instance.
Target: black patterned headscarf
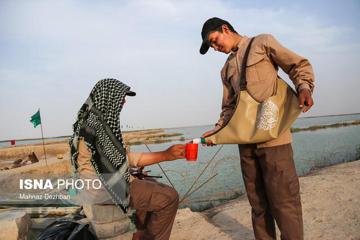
(99, 124)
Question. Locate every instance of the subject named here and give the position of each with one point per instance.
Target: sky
(53, 52)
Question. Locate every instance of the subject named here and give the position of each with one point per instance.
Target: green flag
(36, 119)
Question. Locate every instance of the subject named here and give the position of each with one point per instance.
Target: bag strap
(243, 81)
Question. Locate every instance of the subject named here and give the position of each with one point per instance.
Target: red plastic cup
(191, 151)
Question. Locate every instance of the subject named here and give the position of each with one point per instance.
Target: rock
(14, 225)
(33, 158)
(17, 162)
(59, 156)
(27, 162)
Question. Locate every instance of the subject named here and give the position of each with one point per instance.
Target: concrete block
(124, 236)
(103, 213)
(14, 225)
(109, 230)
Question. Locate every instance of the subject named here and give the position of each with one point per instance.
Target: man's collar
(241, 43)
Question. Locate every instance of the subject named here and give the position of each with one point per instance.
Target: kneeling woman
(98, 151)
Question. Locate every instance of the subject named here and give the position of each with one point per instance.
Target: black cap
(130, 93)
(210, 25)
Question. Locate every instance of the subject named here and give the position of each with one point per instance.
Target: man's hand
(175, 152)
(305, 100)
(208, 133)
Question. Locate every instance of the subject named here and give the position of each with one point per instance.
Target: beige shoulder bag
(256, 122)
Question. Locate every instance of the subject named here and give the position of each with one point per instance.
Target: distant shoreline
(153, 129)
(332, 115)
(154, 136)
(68, 136)
(325, 126)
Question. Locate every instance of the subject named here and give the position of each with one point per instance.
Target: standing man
(268, 168)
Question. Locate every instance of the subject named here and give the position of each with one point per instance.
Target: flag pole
(42, 136)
